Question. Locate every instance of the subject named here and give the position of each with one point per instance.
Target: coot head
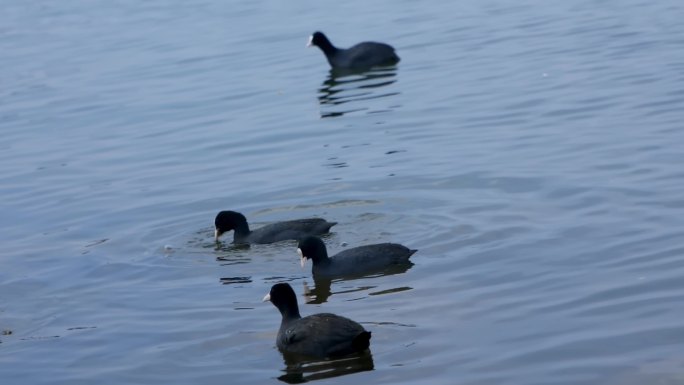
(319, 40)
(284, 298)
(312, 248)
(227, 221)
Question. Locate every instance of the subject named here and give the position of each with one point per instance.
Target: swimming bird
(323, 335)
(355, 261)
(274, 232)
(358, 57)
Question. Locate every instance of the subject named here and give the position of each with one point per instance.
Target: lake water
(532, 152)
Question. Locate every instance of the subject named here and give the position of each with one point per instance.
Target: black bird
(274, 232)
(359, 57)
(322, 335)
(355, 261)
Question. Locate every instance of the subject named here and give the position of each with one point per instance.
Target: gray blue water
(532, 151)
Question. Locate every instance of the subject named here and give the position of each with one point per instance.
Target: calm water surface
(532, 152)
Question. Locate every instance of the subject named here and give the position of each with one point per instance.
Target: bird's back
(365, 55)
(290, 230)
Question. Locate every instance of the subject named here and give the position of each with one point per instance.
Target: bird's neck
(289, 314)
(327, 47)
(322, 258)
(241, 231)
(324, 261)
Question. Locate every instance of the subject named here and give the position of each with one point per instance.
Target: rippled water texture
(531, 151)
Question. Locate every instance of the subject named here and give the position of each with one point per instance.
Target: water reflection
(235, 280)
(298, 371)
(233, 259)
(322, 288)
(344, 92)
(221, 246)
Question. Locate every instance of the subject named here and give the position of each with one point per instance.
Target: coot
(275, 232)
(361, 56)
(355, 261)
(322, 335)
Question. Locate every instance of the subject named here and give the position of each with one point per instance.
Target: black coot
(322, 335)
(355, 261)
(275, 232)
(361, 56)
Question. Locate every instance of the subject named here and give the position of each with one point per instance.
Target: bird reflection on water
(345, 91)
(298, 371)
(322, 288)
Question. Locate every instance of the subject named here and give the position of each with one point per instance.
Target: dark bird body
(274, 232)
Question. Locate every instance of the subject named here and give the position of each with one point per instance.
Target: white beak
(216, 235)
(302, 260)
(267, 297)
(310, 43)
